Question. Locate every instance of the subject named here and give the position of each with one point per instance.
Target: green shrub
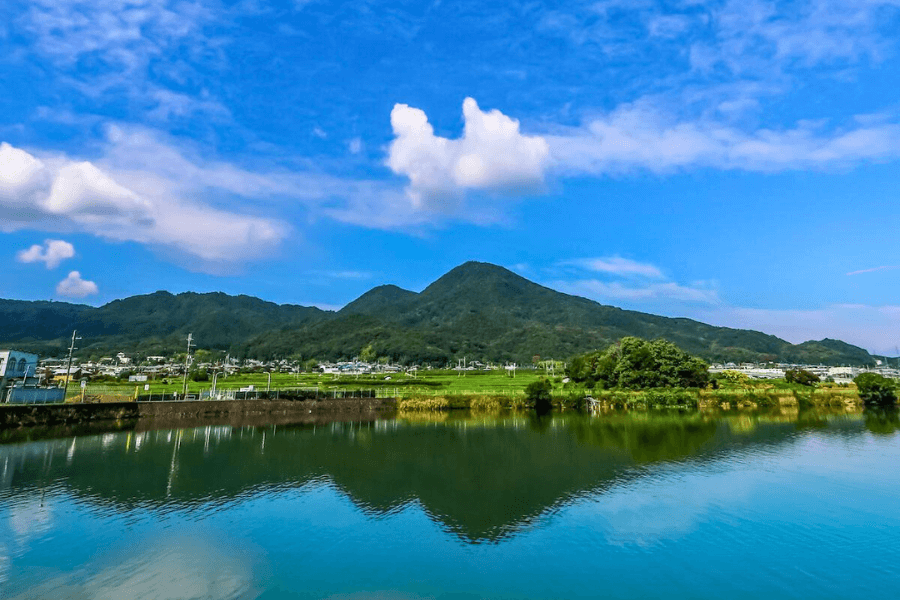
(801, 376)
(875, 389)
(538, 393)
(666, 397)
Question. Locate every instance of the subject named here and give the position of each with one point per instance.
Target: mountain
(384, 299)
(151, 323)
(477, 310)
(483, 311)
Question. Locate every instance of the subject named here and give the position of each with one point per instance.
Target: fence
(104, 393)
(22, 395)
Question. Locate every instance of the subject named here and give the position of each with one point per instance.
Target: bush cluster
(875, 389)
(801, 376)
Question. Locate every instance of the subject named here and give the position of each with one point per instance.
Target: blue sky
(730, 161)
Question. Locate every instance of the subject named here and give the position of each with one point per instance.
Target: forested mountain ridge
(483, 311)
(478, 310)
(149, 323)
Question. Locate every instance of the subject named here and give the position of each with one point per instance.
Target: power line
(72, 348)
(187, 358)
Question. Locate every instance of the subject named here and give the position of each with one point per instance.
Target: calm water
(622, 506)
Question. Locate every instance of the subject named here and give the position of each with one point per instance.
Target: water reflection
(882, 420)
(175, 566)
(481, 478)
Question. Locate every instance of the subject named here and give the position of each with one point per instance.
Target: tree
(634, 363)
(801, 376)
(202, 355)
(875, 389)
(367, 354)
(735, 377)
(539, 393)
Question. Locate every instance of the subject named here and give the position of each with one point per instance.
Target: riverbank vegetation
(631, 373)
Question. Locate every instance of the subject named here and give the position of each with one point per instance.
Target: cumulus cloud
(84, 193)
(144, 190)
(24, 181)
(492, 155)
(51, 253)
(74, 286)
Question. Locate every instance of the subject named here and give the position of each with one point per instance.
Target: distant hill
(151, 323)
(477, 310)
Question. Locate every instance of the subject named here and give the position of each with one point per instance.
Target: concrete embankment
(187, 414)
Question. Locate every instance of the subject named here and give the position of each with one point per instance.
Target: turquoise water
(617, 506)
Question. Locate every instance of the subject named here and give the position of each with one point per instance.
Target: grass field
(444, 384)
(400, 385)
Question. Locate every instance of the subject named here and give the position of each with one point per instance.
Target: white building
(16, 365)
(19, 382)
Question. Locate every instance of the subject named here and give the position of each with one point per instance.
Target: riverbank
(724, 399)
(18, 418)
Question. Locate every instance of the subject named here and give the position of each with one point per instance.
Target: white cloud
(84, 193)
(615, 291)
(619, 280)
(130, 48)
(640, 136)
(74, 286)
(491, 155)
(343, 274)
(23, 182)
(174, 104)
(616, 265)
(874, 269)
(752, 35)
(147, 191)
(52, 253)
(355, 146)
(125, 35)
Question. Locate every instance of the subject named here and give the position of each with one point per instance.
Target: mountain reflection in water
(438, 506)
(481, 478)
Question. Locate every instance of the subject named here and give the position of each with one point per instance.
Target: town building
(19, 381)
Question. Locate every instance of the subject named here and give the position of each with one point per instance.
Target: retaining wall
(260, 411)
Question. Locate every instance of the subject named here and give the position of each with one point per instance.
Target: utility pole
(72, 348)
(187, 359)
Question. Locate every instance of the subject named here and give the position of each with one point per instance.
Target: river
(623, 505)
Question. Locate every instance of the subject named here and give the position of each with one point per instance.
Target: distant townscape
(27, 378)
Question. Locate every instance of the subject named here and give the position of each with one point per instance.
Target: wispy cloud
(639, 136)
(140, 49)
(872, 270)
(616, 279)
(358, 275)
(616, 265)
(615, 291)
